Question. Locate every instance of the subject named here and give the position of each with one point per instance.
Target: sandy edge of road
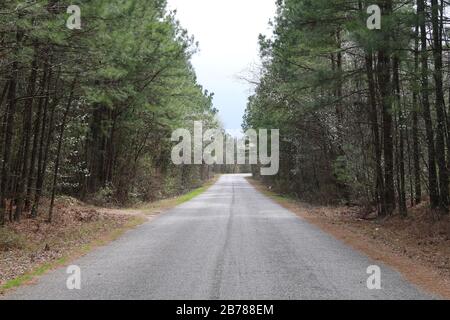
(424, 276)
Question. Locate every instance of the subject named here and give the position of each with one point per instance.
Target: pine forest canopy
(363, 112)
(90, 112)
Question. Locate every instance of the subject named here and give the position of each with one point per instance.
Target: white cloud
(227, 31)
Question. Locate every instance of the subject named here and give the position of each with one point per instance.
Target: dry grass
(33, 242)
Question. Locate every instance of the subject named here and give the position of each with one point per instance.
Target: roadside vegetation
(363, 114)
(89, 113)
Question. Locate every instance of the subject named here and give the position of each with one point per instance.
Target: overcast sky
(227, 31)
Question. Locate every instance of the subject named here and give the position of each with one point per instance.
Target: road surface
(232, 242)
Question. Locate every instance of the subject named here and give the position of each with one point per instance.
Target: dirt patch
(417, 246)
(31, 243)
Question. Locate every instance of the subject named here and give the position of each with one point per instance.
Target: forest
(109, 123)
(88, 112)
(363, 112)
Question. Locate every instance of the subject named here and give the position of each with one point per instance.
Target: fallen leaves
(33, 242)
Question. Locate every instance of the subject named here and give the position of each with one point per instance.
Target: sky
(227, 32)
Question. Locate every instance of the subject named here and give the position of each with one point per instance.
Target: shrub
(10, 240)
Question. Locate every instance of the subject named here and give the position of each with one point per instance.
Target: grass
(148, 209)
(157, 207)
(27, 277)
(193, 194)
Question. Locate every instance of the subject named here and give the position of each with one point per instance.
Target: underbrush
(10, 240)
(31, 243)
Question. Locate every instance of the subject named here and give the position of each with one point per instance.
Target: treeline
(364, 114)
(90, 112)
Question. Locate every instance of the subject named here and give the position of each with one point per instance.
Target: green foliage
(133, 85)
(314, 88)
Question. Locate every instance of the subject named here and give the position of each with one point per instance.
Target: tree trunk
(401, 142)
(432, 173)
(58, 153)
(3, 117)
(384, 83)
(415, 128)
(40, 166)
(10, 114)
(440, 109)
(28, 109)
(36, 136)
(381, 203)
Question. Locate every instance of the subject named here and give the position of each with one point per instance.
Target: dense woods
(364, 114)
(90, 112)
